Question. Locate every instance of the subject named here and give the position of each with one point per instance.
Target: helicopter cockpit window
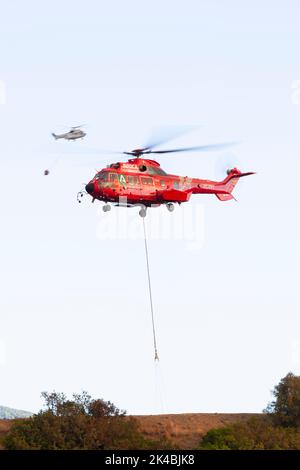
(102, 176)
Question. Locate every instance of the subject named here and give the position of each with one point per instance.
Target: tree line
(96, 424)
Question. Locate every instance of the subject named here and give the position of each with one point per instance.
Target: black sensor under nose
(90, 188)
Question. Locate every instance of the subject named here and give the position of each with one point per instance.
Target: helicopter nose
(90, 187)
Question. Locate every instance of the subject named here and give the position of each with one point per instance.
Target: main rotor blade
(165, 134)
(201, 148)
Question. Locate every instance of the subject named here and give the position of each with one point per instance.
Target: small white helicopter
(74, 133)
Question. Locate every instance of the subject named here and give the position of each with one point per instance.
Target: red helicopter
(142, 182)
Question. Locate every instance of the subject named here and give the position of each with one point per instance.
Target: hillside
(11, 413)
(184, 430)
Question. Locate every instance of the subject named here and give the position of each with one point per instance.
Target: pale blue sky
(74, 307)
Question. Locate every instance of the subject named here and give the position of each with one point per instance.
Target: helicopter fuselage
(72, 135)
(141, 181)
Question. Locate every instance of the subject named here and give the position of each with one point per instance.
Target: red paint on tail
(229, 184)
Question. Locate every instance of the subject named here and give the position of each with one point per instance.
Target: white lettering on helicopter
(129, 167)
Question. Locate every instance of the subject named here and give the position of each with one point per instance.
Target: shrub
(255, 434)
(81, 423)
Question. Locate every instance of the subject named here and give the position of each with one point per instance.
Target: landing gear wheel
(106, 208)
(170, 207)
(143, 212)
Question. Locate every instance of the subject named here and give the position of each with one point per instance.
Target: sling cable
(156, 358)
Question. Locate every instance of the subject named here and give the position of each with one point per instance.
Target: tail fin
(54, 135)
(229, 184)
(224, 196)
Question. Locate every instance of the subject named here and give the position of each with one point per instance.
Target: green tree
(255, 434)
(80, 423)
(285, 409)
(277, 428)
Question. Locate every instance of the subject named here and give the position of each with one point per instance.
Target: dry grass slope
(5, 425)
(184, 430)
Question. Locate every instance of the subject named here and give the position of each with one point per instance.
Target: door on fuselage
(133, 187)
(148, 189)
